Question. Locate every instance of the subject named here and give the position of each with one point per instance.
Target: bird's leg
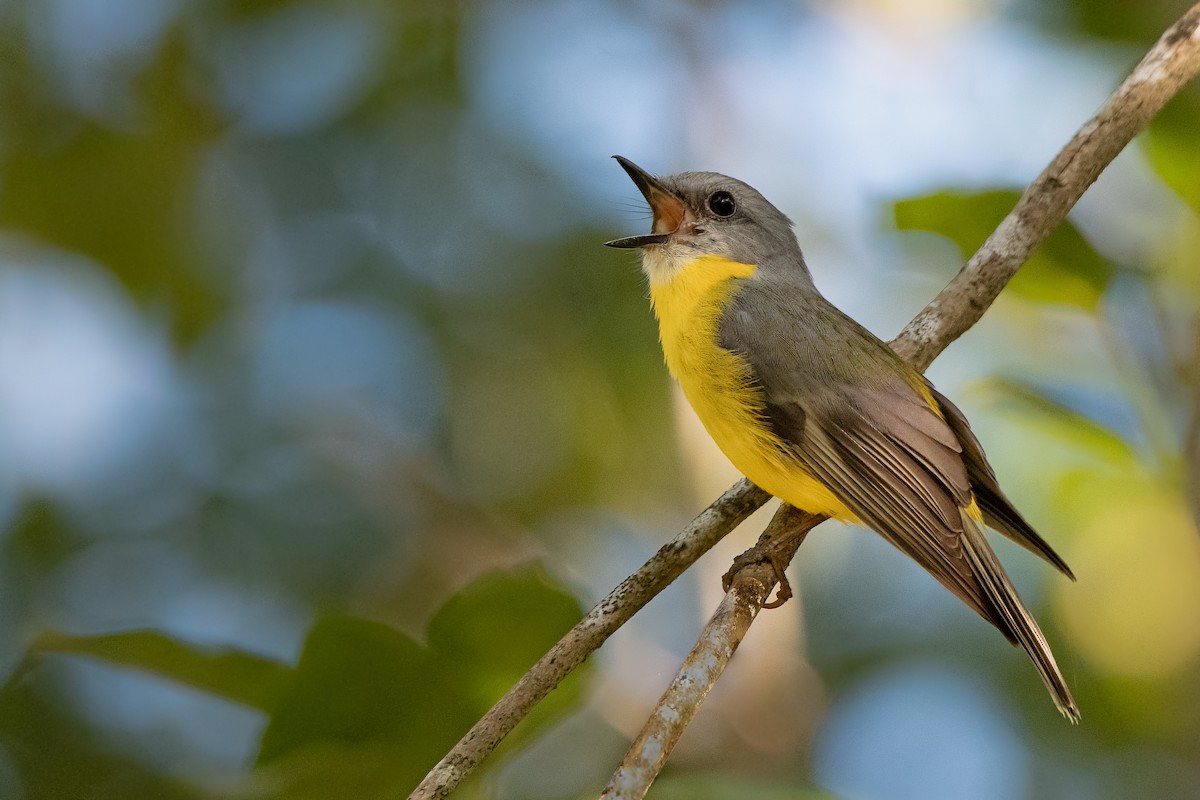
(777, 546)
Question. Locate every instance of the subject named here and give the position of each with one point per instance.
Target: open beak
(669, 211)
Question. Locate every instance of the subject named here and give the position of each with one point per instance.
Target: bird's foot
(762, 554)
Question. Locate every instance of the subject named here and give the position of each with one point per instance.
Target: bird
(814, 408)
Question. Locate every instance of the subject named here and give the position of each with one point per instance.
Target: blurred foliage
(1058, 421)
(727, 787)
(1141, 22)
(119, 192)
(306, 341)
(1065, 269)
(233, 675)
(1172, 146)
(367, 710)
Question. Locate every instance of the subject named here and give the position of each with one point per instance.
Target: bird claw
(762, 555)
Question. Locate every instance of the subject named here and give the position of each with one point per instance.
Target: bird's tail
(1012, 618)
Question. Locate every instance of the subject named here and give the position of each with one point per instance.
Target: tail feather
(1011, 617)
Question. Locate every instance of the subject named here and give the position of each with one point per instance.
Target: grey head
(709, 214)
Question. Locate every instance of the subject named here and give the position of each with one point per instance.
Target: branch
(1171, 63)
(700, 670)
(671, 560)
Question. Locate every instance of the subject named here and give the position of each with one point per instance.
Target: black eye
(721, 204)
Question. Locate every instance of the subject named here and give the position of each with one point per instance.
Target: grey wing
(881, 448)
(998, 511)
(863, 431)
(895, 464)
(899, 468)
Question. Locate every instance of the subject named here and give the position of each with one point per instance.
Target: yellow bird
(817, 410)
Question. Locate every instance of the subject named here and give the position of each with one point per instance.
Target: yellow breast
(720, 386)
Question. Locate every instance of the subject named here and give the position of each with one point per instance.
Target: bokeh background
(323, 411)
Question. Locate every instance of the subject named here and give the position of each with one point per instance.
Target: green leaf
(1117, 20)
(491, 632)
(235, 675)
(48, 753)
(372, 769)
(1065, 269)
(367, 710)
(1172, 149)
(359, 681)
(378, 710)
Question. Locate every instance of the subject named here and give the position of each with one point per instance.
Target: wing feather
(838, 456)
(998, 511)
(902, 459)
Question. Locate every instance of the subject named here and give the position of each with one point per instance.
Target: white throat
(662, 262)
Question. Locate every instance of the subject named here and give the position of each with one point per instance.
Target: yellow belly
(719, 385)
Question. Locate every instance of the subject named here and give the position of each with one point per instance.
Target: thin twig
(1167, 67)
(1171, 63)
(708, 658)
(671, 560)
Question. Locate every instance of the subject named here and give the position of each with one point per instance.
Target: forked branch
(1172, 62)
